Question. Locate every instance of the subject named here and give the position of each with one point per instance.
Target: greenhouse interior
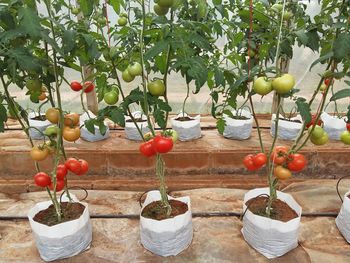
(175, 131)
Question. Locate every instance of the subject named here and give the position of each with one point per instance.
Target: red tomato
(84, 167)
(259, 160)
(61, 171)
(327, 82)
(297, 162)
(73, 165)
(248, 162)
(88, 86)
(319, 122)
(146, 148)
(162, 144)
(278, 155)
(348, 126)
(42, 179)
(76, 86)
(59, 185)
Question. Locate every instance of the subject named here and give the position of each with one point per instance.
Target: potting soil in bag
(343, 219)
(63, 240)
(287, 130)
(189, 129)
(88, 136)
(237, 129)
(131, 131)
(333, 125)
(40, 125)
(166, 237)
(272, 238)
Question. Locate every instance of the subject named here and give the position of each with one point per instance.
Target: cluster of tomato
(36, 90)
(132, 70)
(76, 166)
(282, 85)
(285, 162)
(87, 87)
(161, 7)
(161, 143)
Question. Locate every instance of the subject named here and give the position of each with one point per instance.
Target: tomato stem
(160, 172)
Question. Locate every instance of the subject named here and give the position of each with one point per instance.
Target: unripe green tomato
(327, 74)
(102, 20)
(320, 141)
(124, 15)
(262, 86)
(111, 97)
(284, 84)
(122, 21)
(165, 3)
(126, 76)
(75, 10)
(113, 52)
(135, 69)
(34, 84)
(323, 87)
(52, 130)
(156, 87)
(287, 15)
(160, 10)
(345, 137)
(277, 8)
(318, 132)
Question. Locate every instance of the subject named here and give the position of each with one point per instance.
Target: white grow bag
(166, 237)
(131, 131)
(333, 125)
(187, 130)
(88, 136)
(40, 125)
(343, 219)
(238, 129)
(63, 240)
(287, 130)
(272, 238)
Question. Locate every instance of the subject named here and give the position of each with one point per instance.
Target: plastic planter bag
(333, 125)
(238, 129)
(40, 125)
(88, 136)
(63, 240)
(187, 130)
(287, 130)
(131, 131)
(272, 238)
(166, 237)
(343, 218)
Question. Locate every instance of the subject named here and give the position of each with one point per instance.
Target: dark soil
(349, 196)
(156, 211)
(184, 119)
(70, 211)
(239, 118)
(280, 210)
(296, 121)
(137, 120)
(39, 118)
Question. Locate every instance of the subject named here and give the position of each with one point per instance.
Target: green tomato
(174, 136)
(156, 87)
(262, 86)
(111, 97)
(165, 3)
(113, 52)
(287, 15)
(52, 130)
(124, 15)
(327, 74)
(277, 8)
(345, 137)
(126, 76)
(320, 141)
(34, 84)
(75, 10)
(102, 20)
(284, 84)
(105, 54)
(135, 69)
(160, 10)
(122, 21)
(323, 87)
(317, 133)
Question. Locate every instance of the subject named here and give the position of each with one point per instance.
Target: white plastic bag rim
(288, 124)
(234, 122)
(37, 123)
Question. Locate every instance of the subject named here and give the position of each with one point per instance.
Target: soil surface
(184, 119)
(70, 211)
(156, 211)
(296, 121)
(137, 120)
(239, 117)
(39, 118)
(280, 210)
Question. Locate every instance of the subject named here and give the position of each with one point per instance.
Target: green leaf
(302, 36)
(3, 117)
(86, 7)
(158, 48)
(304, 109)
(219, 78)
(163, 105)
(117, 116)
(90, 125)
(30, 21)
(68, 40)
(322, 59)
(341, 46)
(116, 4)
(102, 127)
(340, 94)
(313, 40)
(159, 117)
(24, 59)
(220, 125)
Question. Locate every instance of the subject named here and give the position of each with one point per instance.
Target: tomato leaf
(159, 117)
(340, 94)
(341, 46)
(86, 7)
(3, 117)
(30, 21)
(304, 109)
(102, 127)
(90, 125)
(220, 125)
(116, 4)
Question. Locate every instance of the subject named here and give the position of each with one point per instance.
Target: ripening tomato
(282, 173)
(59, 185)
(61, 171)
(249, 163)
(162, 144)
(296, 162)
(88, 86)
(52, 115)
(146, 148)
(39, 153)
(42, 179)
(76, 86)
(259, 160)
(73, 165)
(42, 96)
(71, 134)
(278, 155)
(84, 167)
(327, 82)
(71, 119)
(348, 126)
(313, 119)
